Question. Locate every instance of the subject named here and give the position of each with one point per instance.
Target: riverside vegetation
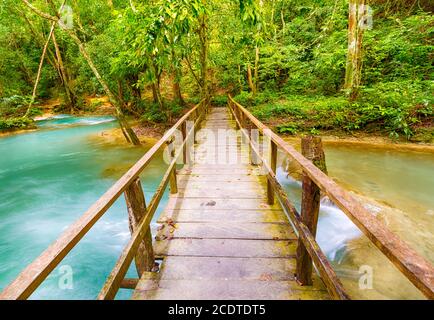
(301, 66)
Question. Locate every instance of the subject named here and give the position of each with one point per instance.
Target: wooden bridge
(229, 230)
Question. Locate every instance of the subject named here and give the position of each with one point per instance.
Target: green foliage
(154, 114)
(220, 101)
(397, 109)
(302, 46)
(15, 123)
(15, 105)
(288, 128)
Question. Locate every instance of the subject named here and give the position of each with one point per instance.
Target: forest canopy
(300, 65)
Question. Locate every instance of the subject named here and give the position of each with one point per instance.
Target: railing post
(272, 151)
(311, 196)
(136, 205)
(184, 138)
(172, 181)
(254, 137)
(237, 117)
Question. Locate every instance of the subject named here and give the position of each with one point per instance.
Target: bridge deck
(218, 238)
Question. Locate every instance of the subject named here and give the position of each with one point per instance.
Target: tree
(126, 129)
(356, 25)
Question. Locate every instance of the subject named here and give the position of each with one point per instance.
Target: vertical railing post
(184, 138)
(136, 205)
(254, 137)
(230, 108)
(237, 117)
(272, 152)
(172, 180)
(311, 196)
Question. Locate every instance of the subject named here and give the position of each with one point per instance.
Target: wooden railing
(415, 268)
(418, 270)
(140, 216)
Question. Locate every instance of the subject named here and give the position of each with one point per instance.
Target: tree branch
(40, 12)
(192, 71)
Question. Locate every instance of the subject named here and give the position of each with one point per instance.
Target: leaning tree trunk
(38, 76)
(126, 129)
(70, 95)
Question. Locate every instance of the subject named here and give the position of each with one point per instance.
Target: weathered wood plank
(218, 204)
(228, 194)
(226, 248)
(235, 216)
(227, 230)
(225, 290)
(209, 268)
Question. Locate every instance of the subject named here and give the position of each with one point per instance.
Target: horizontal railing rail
(413, 266)
(35, 273)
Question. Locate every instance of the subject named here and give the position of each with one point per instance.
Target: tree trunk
(355, 39)
(50, 55)
(130, 134)
(204, 43)
(70, 95)
(38, 76)
(256, 68)
(176, 78)
(156, 91)
(176, 88)
(250, 80)
(132, 84)
(126, 129)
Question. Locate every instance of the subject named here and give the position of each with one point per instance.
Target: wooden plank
(225, 290)
(215, 268)
(254, 185)
(218, 204)
(214, 193)
(228, 230)
(226, 248)
(229, 178)
(236, 216)
(226, 171)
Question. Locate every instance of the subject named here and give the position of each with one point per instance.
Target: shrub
(14, 105)
(15, 123)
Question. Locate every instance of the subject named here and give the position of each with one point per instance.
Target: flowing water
(398, 188)
(49, 177)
